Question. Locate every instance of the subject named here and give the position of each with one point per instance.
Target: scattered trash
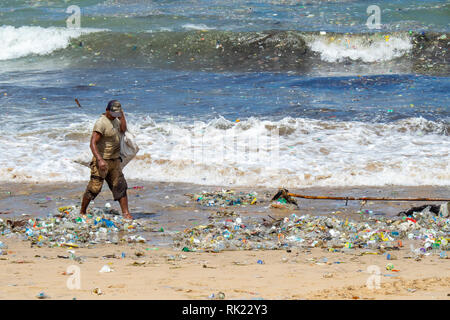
(224, 198)
(97, 291)
(218, 296)
(227, 230)
(282, 204)
(139, 253)
(282, 200)
(106, 269)
(67, 228)
(42, 295)
(430, 207)
(372, 232)
(444, 210)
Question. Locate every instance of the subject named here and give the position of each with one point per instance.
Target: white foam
(160, 29)
(192, 26)
(364, 48)
(409, 152)
(23, 41)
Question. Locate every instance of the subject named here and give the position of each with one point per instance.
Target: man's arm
(123, 123)
(94, 140)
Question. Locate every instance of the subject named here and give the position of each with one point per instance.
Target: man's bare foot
(127, 216)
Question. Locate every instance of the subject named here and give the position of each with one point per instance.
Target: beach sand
(160, 272)
(166, 274)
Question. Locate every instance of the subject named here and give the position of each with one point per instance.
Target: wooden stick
(365, 198)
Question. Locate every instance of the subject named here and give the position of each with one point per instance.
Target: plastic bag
(444, 210)
(128, 148)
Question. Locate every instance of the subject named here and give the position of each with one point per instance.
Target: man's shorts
(113, 176)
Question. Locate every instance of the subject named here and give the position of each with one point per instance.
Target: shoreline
(39, 199)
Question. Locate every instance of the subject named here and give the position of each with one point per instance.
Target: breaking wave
(203, 48)
(291, 152)
(338, 48)
(24, 41)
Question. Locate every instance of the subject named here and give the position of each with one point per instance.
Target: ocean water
(268, 93)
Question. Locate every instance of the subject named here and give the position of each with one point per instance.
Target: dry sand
(169, 274)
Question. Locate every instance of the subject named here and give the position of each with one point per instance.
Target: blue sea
(236, 93)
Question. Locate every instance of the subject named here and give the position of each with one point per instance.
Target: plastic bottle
(219, 246)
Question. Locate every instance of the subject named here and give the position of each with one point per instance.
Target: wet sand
(160, 272)
(162, 198)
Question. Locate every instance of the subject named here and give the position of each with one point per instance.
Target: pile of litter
(225, 198)
(230, 231)
(282, 203)
(306, 231)
(67, 228)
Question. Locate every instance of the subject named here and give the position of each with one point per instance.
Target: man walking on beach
(105, 165)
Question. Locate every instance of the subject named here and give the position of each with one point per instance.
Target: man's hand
(123, 122)
(102, 165)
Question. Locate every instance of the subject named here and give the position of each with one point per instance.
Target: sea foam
(291, 152)
(23, 41)
(373, 48)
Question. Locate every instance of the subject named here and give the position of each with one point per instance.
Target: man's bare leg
(124, 206)
(84, 204)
